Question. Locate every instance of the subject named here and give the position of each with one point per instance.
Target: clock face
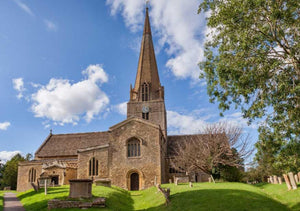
(145, 109)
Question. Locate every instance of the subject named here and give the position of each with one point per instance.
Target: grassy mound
(203, 196)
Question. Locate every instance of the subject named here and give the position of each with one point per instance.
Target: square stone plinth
(80, 188)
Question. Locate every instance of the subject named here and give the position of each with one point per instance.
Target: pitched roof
(66, 145)
(136, 119)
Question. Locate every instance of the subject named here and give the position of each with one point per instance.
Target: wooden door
(134, 181)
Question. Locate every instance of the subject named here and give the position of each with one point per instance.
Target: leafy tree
(28, 156)
(10, 173)
(253, 60)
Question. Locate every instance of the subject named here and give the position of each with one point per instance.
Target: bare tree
(221, 144)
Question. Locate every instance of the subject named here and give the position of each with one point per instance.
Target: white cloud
(50, 25)
(184, 124)
(131, 11)
(4, 125)
(178, 26)
(64, 102)
(18, 85)
(195, 122)
(121, 108)
(24, 7)
(7, 155)
(237, 119)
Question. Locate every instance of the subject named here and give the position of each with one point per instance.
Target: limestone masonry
(133, 154)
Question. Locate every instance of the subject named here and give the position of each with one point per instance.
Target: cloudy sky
(68, 65)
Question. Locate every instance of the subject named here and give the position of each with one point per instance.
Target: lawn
(1, 200)
(203, 196)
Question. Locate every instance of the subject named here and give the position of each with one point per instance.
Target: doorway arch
(134, 181)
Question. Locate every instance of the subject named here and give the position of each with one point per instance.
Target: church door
(134, 181)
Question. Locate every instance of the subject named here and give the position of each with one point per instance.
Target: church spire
(147, 77)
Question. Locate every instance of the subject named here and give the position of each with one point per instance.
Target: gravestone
(170, 181)
(275, 179)
(176, 181)
(287, 181)
(103, 182)
(299, 176)
(190, 184)
(280, 180)
(271, 179)
(80, 188)
(296, 178)
(292, 180)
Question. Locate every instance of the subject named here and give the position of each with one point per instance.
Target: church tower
(147, 95)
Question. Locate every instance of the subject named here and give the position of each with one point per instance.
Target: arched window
(93, 167)
(145, 92)
(133, 148)
(32, 175)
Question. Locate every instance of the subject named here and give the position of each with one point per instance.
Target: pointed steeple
(147, 72)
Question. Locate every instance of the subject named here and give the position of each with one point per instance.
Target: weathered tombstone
(299, 176)
(80, 188)
(292, 180)
(271, 179)
(275, 179)
(209, 180)
(280, 180)
(296, 178)
(170, 181)
(103, 182)
(176, 181)
(190, 184)
(287, 181)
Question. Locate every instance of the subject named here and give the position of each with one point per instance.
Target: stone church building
(132, 154)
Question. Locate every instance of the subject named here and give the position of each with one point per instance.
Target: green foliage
(231, 174)
(10, 173)
(203, 196)
(253, 62)
(254, 174)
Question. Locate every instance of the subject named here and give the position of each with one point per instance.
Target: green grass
(1, 200)
(203, 196)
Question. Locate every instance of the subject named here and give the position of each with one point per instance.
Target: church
(133, 154)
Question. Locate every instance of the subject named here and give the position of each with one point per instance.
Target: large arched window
(32, 175)
(145, 92)
(93, 167)
(133, 148)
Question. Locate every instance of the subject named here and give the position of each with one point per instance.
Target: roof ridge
(60, 134)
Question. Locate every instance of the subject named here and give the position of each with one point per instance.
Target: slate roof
(66, 145)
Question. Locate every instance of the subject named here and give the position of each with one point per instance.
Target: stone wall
(83, 163)
(23, 183)
(148, 165)
(157, 112)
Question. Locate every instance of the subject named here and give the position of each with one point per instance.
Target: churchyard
(202, 196)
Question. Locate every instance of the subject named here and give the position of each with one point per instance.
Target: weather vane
(147, 3)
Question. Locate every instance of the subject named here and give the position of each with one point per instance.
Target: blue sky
(68, 65)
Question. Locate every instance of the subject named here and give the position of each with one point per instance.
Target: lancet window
(93, 167)
(32, 175)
